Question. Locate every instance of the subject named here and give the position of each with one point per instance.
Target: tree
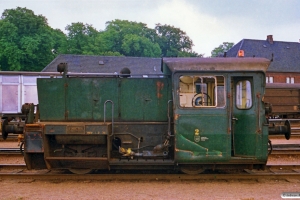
(189, 54)
(10, 54)
(140, 46)
(27, 43)
(60, 42)
(172, 40)
(86, 40)
(26, 40)
(81, 38)
(129, 39)
(221, 49)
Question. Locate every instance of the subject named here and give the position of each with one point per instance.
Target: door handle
(236, 119)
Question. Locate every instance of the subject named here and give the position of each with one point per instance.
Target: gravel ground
(223, 189)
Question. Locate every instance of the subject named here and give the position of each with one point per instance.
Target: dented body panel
(82, 99)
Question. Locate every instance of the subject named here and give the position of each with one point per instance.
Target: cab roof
(215, 64)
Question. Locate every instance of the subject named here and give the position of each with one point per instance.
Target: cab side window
(202, 91)
(243, 94)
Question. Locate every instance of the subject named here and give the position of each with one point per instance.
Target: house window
(271, 79)
(267, 79)
(288, 80)
(292, 80)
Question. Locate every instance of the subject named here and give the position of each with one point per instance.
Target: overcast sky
(208, 23)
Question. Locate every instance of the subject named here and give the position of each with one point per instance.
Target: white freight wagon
(18, 88)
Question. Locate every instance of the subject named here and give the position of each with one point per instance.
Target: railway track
(10, 137)
(285, 149)
(273, 171)
(10, 151)
(20, 173)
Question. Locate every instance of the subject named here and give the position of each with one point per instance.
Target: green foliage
(25, 20)
(26, 40)
(221, 49)
(10, 54)
(189, 54)
(27, 43)
(80, 38)
(130, 39)
(60, 45)
(173, 41)
(110, 53)
(140, 46)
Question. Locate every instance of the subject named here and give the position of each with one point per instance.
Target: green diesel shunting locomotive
(203, 113)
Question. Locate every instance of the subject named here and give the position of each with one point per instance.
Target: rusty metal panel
(80, 139)
(145, 99)
(75, 129)
(33, 142)
(78, 128)
(55, 129)
(97, 129)
(85, 98)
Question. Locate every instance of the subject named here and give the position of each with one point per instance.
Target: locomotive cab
(219, 116)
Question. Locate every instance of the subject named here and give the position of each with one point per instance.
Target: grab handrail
(169, 118)
(112, 115)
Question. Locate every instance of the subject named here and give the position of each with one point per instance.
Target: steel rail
(284, 165)
(19, 171)
(149, 177)
(10, 166)
(10, 151)
(285, 149)
(285, 152)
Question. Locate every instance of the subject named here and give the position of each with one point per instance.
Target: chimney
(270, 39)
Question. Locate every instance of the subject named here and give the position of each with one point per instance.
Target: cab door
(201, 118)
(245, 127)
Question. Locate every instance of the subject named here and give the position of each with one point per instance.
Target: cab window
(243, 94)
(201, 91)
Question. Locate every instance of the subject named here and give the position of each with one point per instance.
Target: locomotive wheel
(191, 170)
(80, 171)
